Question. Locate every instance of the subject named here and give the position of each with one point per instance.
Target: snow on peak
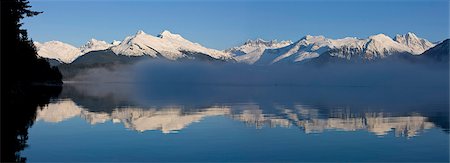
(269, 44)
(171, 36)
(251, 50)
(256, 41)
(94, 45)
(115, 42)
(173, 46)
(308, 47)
(380, 36)
(140, 32)
(380, 43)
(412, 35)
(165, 33)
(313, 38)
(166, 44)
(58, 50)
(416, 44)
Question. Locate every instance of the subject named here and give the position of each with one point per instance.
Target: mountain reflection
(171, 119)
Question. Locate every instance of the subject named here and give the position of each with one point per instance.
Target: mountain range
(307, 49)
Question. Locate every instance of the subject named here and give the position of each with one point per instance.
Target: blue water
(262, 124)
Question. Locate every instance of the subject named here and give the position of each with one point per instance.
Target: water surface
(132, 122)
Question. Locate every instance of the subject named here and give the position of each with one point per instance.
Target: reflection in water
(167, 120)
(18, 108)
(175, 118)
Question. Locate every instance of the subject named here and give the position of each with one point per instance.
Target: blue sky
(223, 24)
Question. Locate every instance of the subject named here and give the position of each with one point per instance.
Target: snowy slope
(306, 48)
(58, 50)
(173, 46)
(115, 42)
(94, 45)
(310, 47)
(166, 44)
(375, 47)
(416, 44)
(252, 50)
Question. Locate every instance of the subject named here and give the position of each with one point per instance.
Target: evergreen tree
(19, 61)
(21, 69)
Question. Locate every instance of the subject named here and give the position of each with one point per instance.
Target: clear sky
(223, 24)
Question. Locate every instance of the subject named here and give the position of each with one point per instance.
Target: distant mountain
(57, 50)
(439, 53)
(252, 50)
(97, 59)
(95, 45)
(309, 49)
(416, 44)
(166, 44)
(349, 48)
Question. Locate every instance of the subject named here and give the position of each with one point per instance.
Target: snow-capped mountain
(252, 50)
(306, 48)
(166, 44)
(94, 45)
(58, 50)
(376, 46)
(173, 46)
(115, 42)
(350, 48)
(416, 44)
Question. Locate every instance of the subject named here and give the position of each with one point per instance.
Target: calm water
(134, 122)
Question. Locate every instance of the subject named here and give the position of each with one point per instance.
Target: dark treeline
(25, 80)
(19, 60)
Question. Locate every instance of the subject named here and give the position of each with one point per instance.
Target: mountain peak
(167, 45)
(115, 42)
(165, 32)
(406, 37)
(93, 41)
(168, 34)
(140, 32)
(268, 44)
(60, 51)
(94, 45)
(416, 44)
(380, 37)
(256, 41)
(312, 38)
(410, 34)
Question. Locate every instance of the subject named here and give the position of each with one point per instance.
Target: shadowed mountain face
(107, 59)
(439, 53)
(97, 59)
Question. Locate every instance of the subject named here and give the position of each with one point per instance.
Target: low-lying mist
(213, 73)
(396, 87)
